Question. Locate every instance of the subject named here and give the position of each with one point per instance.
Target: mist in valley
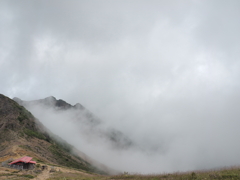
(164, 75)
(192, 136)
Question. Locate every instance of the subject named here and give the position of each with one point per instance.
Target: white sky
(154, 69)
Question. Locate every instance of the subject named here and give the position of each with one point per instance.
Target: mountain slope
(83, 119)
(22, 134)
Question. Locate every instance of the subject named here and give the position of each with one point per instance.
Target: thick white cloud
(153, 69)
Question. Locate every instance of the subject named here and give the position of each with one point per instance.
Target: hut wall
(29, 166)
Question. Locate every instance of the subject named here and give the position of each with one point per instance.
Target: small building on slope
(23, 163)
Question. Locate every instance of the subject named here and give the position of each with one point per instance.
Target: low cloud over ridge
(161, 72)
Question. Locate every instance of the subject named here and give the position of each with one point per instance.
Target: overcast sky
(152, 68)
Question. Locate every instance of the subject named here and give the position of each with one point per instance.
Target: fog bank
(164, 73)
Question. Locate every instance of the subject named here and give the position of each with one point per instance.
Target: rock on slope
(22, 134)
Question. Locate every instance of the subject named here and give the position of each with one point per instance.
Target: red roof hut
(23, 163)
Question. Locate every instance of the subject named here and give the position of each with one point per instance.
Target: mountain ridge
(22, 134)
(50, 101)
(81, 117)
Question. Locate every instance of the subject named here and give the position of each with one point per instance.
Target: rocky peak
(78, 106)
(50, 98)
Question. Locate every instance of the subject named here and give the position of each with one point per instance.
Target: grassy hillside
(66, 173)
(224, 174)
(21, 134)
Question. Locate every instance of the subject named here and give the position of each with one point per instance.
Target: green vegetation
(23, 129)
(3, 174)
(31, 133)
(21, 134)
(226, 174)
(38, 160)
(26, 147)
(27, 176)
(64, 159)
(17, 176)
(22, 117)
(24, 114)
(65, 146)
(223, 174)
(15, 171)
(2, 147)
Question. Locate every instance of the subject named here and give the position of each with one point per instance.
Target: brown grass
(62, 173)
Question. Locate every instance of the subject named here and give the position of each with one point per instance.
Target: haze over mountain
(164, 73)
(119, 151)
(85, 131)
(89, 126)
(22, 134)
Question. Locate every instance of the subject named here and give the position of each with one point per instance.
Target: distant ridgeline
(82, 117)
(21, 134)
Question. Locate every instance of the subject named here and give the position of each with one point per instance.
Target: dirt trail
(65, 170)
(42, 176)
(14, 150)
(46, 173)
